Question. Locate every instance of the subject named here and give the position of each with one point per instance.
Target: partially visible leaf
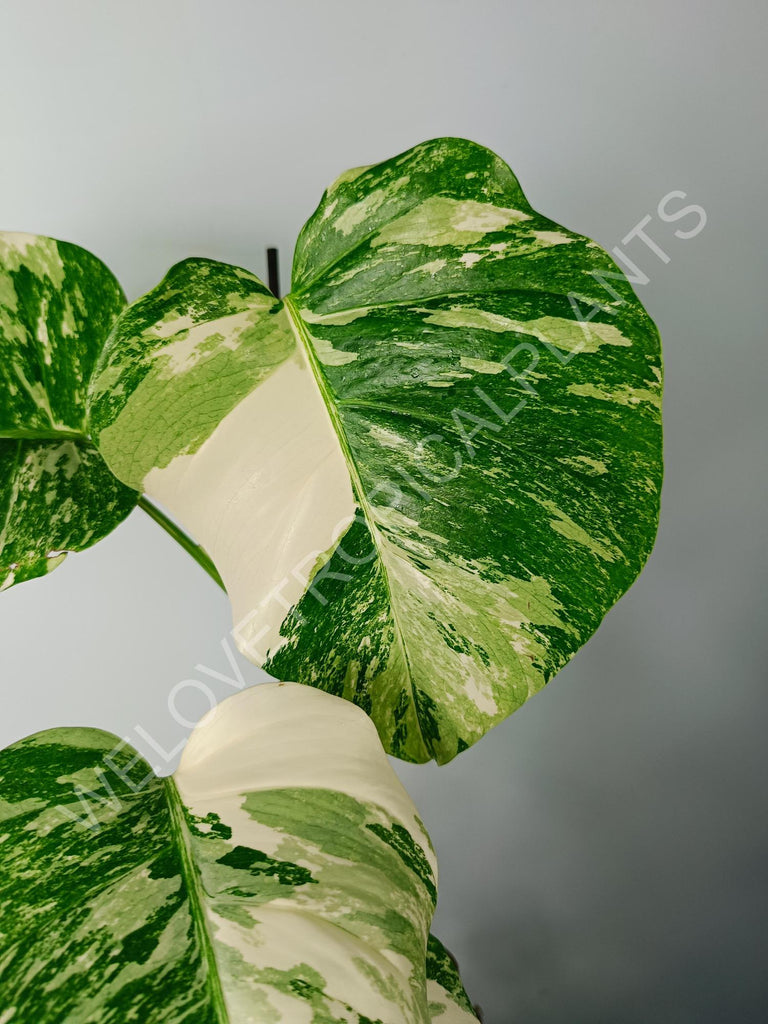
(55, 496)
(57, 306)
(281, 875)
(448, 1002)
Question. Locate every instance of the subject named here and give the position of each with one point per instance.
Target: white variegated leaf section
(274, 460)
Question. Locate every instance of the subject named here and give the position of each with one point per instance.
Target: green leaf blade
(430, 494)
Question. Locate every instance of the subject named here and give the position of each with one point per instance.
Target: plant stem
(180, 537)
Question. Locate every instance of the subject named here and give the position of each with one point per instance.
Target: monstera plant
(422, 477)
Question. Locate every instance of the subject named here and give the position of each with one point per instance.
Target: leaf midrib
(297, 325)
(196, 901)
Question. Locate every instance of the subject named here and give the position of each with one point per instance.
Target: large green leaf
(282, 874)
(428, 473)
(57, 306)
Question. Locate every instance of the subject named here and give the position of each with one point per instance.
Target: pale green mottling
(576, 336)
(624, 395)
(482, 365)
(568, 335)
(11, 810)
(570, 529)
(554, 237)
(359, 212)
(387, 438)
(329, 356)
(586, 464)
(194, 343)
(439, 220)
(9, 303)
(54, 458)
(469, 317)
(38, 254)
(71, 736)
(348, 176)
(333, 319)
(54, 561)
(431, 268)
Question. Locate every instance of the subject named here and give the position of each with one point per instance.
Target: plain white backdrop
(601, 852)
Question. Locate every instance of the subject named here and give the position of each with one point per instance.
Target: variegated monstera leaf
(425, 475)
(57, 305)
(282, 874)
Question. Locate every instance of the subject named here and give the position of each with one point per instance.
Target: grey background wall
(602, 852)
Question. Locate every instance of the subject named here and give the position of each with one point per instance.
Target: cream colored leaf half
(274, 460)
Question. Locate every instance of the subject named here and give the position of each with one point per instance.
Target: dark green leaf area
(350, 587)
(259, 864)
(208, 825)
(401, 841)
